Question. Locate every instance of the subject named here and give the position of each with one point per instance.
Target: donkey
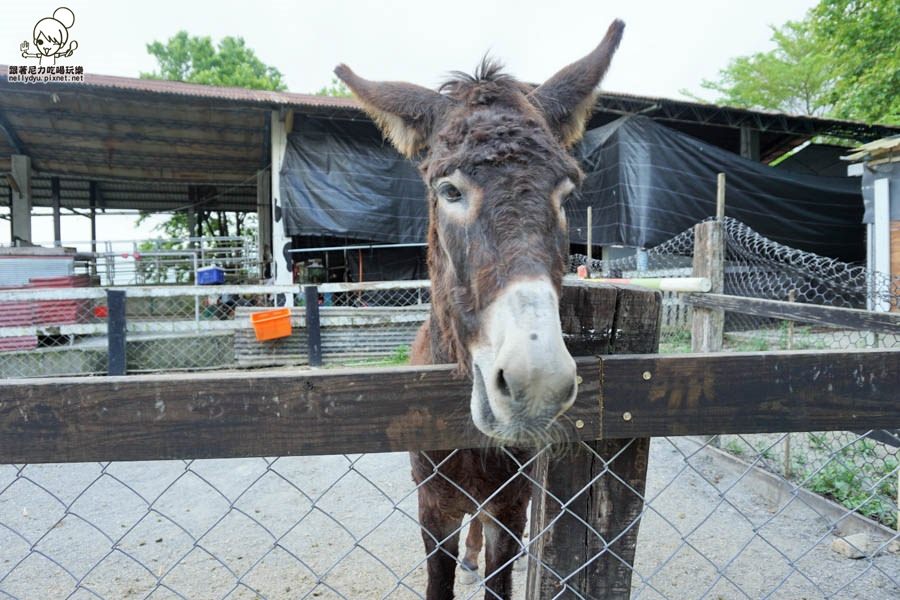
(494, 156)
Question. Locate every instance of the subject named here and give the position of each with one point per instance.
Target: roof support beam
(57, 217)
(750, 143)
(94, 192)
(10, 133)
(21, 199)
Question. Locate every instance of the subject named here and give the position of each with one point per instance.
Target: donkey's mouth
(523, 375)
(520, 428)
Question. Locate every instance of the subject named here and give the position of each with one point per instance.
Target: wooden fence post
(707, 324)
(115, 332)
(313, 331)
(569, 558)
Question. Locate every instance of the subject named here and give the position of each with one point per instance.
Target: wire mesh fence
(757, 267)
(858, 472)
(163, 261)
(47, 332)
(347, 526)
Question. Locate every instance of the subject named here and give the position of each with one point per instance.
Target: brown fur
(509, 141)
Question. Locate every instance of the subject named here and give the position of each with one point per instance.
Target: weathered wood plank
(205, 415)
(569, 541)
(708, 324)
(752, 392)
(850, 318)
(209, 415)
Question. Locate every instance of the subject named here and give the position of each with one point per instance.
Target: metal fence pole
(313, 332)
(115, 333)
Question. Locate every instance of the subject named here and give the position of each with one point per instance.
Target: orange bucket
(271, 324)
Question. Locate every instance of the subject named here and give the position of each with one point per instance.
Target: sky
(668, 46)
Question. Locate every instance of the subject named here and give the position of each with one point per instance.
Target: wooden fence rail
(625, 396)
(205, 415)
(850, 318)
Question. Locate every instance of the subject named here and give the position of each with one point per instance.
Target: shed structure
(119, 143)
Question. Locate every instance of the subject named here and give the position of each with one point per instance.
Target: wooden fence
(626, 392)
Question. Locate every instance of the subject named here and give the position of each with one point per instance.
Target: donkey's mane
(489, 69)
(488, 75)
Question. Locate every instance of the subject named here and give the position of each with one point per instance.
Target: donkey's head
(494, 158)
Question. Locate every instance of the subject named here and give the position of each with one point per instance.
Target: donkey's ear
(567, 98)
(407, 114)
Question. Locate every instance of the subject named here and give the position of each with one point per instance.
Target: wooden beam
(57, 217)
(849, 318)
(586, 548)
(751, 392)
(219, 415)
(10, 133)
(21, 198)
(750, 143)
(708, 324)
(207, 415)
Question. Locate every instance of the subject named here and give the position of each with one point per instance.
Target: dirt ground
(344, 527)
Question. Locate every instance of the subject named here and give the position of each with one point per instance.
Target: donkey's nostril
(501, 383)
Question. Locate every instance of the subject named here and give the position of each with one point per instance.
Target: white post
(590, 239)
(882, 244)
(281, 272)
(20, 211)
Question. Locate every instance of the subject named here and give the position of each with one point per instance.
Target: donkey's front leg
(502, 543)
(440, 532)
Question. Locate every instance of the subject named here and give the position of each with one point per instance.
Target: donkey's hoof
(521, 564)
(468, 573)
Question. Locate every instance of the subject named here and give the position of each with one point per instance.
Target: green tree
(194, 59)
(861, 38)
(337, 89)
(795, 77)
(842, 60)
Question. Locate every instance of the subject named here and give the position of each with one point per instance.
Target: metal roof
(158, 137)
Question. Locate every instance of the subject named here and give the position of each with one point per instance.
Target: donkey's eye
(449, 192)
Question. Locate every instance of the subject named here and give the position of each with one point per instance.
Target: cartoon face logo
(50, 36)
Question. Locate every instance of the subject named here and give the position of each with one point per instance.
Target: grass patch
(865, 488)
(398, 357)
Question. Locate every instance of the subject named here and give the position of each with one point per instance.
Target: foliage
(734, 447)
(862, 40)
(865, 488)
(399, 356)
(194, 59)
(842, 60)
(230, 63)
(337, 89)
(793, 78)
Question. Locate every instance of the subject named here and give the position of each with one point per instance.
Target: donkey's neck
(445, 326)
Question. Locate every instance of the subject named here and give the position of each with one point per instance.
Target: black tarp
(645, 182)
(341, 179)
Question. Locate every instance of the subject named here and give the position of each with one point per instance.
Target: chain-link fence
(757, 267)
(858, 472)
(47, 332)
(160, 261)
(347, 526)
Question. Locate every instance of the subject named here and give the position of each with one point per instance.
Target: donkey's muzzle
(524, 376)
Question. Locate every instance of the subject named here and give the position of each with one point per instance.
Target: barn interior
(115, 144)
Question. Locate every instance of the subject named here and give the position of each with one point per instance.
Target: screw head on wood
(626, 416)
(579, 424)
(647, 375)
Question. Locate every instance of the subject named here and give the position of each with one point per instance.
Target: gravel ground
(353, 531)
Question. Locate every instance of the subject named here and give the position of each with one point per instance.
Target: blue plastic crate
(210, 276)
